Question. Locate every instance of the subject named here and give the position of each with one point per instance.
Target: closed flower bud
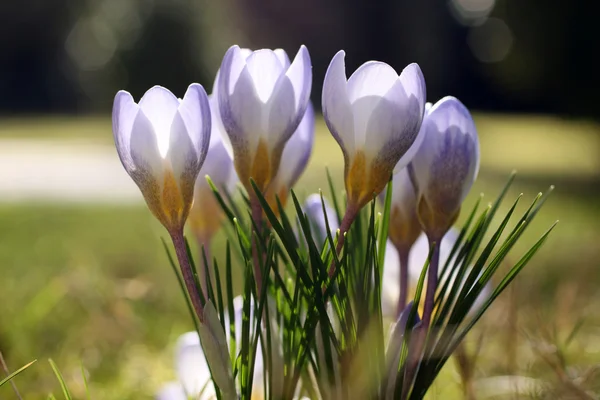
(262, 99)
(375, 117)
(446, 165)
(404, 228)
(162, 143)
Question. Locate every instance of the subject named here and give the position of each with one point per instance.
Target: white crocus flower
(192, 370)
(375, 117)
(162, 143)
(294, 159)
(446, 164)
(404, 228)
(390, 289)
(262, 99)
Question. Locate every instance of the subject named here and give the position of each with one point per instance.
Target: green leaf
(17, 372)
(61, 380)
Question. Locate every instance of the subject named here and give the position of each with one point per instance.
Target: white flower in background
(262, 99)
(390, 289)
(294, 159)
(375, 117)
(314, 211)
(446, 164)
(192, 370)
(206, 214)
(162, 143)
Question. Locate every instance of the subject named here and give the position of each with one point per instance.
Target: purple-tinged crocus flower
(294, 159)
(375, 117)
(262, 99)
(314, 211)
(446, 165)
(162, 143)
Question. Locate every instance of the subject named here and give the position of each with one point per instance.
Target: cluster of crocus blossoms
(258, 127)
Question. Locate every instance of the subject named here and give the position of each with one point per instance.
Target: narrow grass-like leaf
(61, 380)
(17, 372)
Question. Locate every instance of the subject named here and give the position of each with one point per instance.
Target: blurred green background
(83, 275)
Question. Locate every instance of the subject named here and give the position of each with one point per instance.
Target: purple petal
(160, 106)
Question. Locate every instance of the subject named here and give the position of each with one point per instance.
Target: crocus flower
(446, 164)
(375, 117)
(390, 289)
(314, 211)
(294, 159)
(206, 214)
(262, 99)
(193, 374)
(162, 143)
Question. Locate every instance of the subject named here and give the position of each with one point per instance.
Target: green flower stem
(187, 272)
(432, 281)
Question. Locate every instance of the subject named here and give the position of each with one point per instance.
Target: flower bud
(445, 165)
(262, 99)
(375, 117)
(162, 143)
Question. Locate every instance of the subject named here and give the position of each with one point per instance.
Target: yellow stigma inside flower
(365, 178)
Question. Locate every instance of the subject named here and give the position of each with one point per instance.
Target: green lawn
(92, 286)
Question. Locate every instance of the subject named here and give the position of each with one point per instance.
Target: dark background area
(71, 56)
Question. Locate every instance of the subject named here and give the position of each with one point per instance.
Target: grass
(90, 285)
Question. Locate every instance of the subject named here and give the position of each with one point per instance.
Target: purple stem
(432, 281)
(187, 272)
(403, 253)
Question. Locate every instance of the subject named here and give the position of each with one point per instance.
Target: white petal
(283, 58)
(413, 83)
(337, 111)
(171, 391)
(240, 108)
(182, 154)
(297, 150)
(265, 69)
(123, 115)
(196, 114)
(403, 192)
(366, 88)
(300, 75)
(420, 252)
(218, 165)
(282, 116)
(160, 106)
(144, 149)
(191, 366)
(373, 78)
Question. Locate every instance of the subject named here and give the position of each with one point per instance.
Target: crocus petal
(144, 150)
(297, 151)
(337, 111)
(265, 69)
(283, 58)
(196, 114)
(240, 108)
(300, 75)
(160, 106)
(123, 116)
(192, 369)
(171, 391)
(314, 211)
